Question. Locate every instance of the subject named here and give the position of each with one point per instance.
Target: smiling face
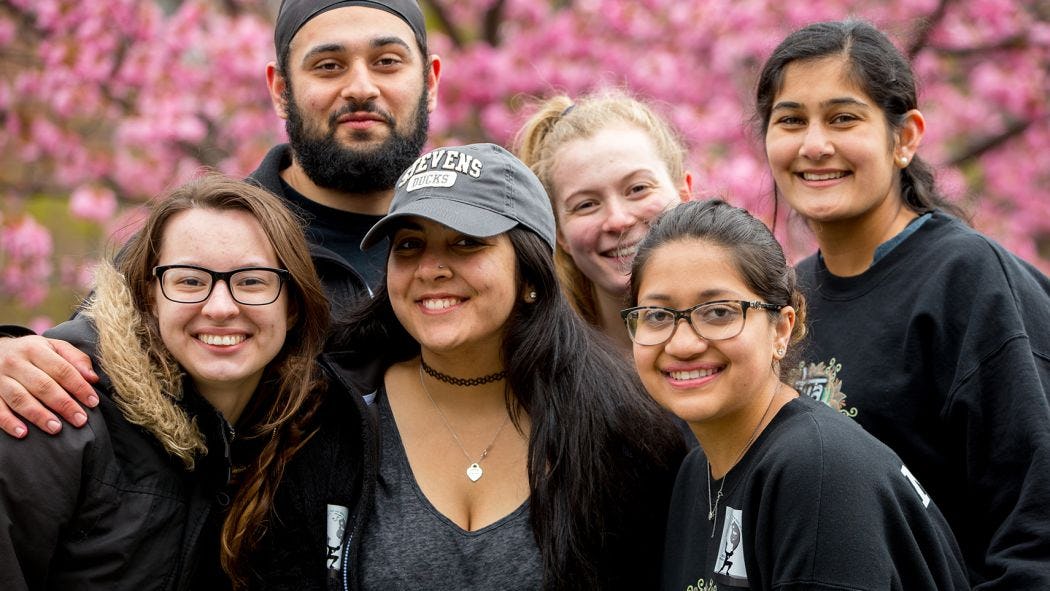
(700, 381)
(222, 345)
(607, 188)
(357, 98)
(829, 146)
(452, 292)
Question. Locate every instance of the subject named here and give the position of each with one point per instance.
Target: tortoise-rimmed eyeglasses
(713, 321)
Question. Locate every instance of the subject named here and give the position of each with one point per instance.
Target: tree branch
(447, 25)
(26, 21)
(492, 22)
(207, 151)
(925, 28)
(982, 146)
(1014, 42)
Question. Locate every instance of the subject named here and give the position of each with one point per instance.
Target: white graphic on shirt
(915, 484)
(730, 568)
(337, 515)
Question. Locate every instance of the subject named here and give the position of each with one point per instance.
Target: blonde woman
(610, 164)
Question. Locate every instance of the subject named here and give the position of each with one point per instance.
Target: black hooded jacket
(105, 506)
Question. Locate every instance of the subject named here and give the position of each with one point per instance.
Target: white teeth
(693, 374)
(440, 304)
(623, 252)
(809, 176)
(221, 340)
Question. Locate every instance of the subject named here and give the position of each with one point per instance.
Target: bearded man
(355, 85)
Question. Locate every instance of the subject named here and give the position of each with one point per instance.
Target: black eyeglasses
(251, 286)
(712, 321)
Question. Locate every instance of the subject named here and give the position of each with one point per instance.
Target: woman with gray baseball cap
(518, 448)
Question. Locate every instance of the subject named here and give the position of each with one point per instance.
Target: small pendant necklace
(474, 471)
(712, 508)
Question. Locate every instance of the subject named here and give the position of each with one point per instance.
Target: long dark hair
(756, 254)
(875, 66)
(601, 452)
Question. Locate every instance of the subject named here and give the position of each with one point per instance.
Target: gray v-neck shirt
(408, 544)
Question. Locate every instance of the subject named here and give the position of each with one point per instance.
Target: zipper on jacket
(228, 434)
(346, 560)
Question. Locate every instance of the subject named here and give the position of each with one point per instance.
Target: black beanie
(293, 14)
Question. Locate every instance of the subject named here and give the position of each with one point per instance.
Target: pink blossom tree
(105, 104)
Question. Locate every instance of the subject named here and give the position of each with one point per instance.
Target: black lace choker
(444, 377)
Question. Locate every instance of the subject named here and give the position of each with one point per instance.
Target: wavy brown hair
(281, 411)
(146, 381)
(560, 120)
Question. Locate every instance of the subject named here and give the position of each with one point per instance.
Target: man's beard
(331, 165)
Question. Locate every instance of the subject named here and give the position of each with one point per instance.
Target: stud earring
(530, 297)
(904, 160)
(781, 351)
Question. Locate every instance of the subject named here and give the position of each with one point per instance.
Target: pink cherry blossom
(108, 104)
(39, 324)
(26, 246)
(93, 203)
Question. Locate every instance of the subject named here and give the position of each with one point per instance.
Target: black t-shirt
(341, 232)
(816, 503)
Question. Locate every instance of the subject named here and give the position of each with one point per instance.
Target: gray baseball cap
(481, 190)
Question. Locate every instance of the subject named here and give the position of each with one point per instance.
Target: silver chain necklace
(712, 509)
(474, 471)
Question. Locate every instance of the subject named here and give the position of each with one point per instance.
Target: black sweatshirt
(942, 351)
